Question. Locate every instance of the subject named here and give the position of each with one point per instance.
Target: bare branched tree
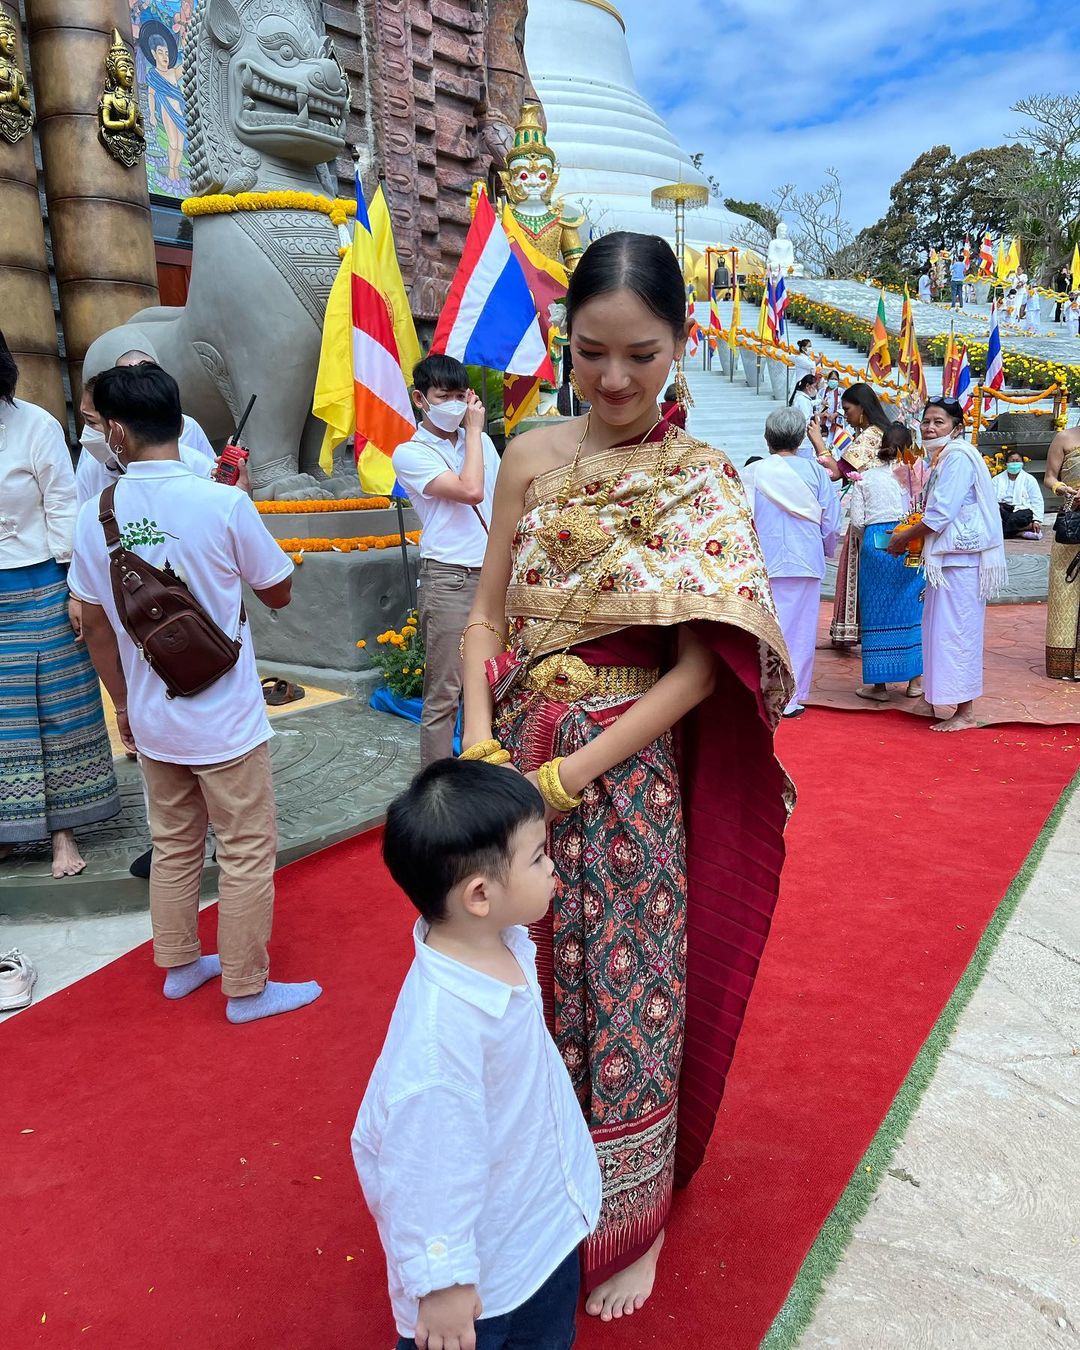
(818, 229)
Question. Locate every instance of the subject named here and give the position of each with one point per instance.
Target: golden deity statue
(529, 179)
(121, 121)
(16, 119)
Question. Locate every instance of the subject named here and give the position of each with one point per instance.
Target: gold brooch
(573, 537)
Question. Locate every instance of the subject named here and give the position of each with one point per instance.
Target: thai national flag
(489, 318)
(780, 301)
(963, 382)
(995, 366)
(775, 320)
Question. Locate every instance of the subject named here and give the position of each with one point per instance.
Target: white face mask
(935, 442)
(446, 416)
(95, 444)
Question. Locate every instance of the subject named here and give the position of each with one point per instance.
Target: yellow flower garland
(225, 204)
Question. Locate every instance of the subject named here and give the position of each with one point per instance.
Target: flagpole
(409, 589)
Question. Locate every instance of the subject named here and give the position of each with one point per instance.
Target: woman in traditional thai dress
(1063, 600)
(56, 769)
(624, 649)
(964, 560)
(890, 593)
(868, 421)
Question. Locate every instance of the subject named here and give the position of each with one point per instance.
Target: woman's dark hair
(9, 372)
(145, 398)
(641, 263)
(801, 388)
(754, 459)
(897, 437)
(803, 342)
(1015, 454)
(439, 372)
(832, 373)
(671, 394)
(863, 396)
(456, 820)
(951, 406)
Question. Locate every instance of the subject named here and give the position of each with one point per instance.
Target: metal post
(410, 590)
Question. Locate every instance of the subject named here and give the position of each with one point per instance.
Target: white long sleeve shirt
(1022, 492)
(878, 498)
(792, 545)
(37, 487)
(196, 452)
(471, 1148)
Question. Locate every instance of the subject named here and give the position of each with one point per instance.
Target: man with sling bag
(185, 687)
(448, 469)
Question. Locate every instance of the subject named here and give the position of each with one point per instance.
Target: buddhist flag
(986, 257)
(1075, 268)
(733, 329)
(358, 338)
(393, 287)
(1012, 262)
(967, 255)
(903, 359)
(548, 281)
(880, 361)
(715, 327)
(763, 329)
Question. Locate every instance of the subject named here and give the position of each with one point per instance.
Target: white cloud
(775, 91)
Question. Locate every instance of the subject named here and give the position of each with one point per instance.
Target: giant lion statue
(267, 103)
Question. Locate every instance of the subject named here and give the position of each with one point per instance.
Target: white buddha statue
(780, 259)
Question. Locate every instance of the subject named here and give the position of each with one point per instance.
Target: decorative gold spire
(529, 138)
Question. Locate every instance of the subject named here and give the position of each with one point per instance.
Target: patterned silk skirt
(844, 629)
(890, 613)
(612, 962)
(56, 769)
(1063, 617)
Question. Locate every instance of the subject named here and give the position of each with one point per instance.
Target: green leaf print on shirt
(144, 532)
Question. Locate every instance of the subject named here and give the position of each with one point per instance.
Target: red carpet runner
(172, 1181)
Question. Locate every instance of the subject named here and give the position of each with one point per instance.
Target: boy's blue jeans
(543, 1322)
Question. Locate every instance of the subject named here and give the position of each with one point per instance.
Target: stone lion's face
(293, 94)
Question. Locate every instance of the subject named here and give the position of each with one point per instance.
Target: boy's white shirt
(471, 1148)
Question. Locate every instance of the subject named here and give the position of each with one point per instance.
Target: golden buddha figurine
(529, 179)
(16, 118)
(121, 121)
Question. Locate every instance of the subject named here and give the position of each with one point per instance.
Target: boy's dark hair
(145, 398)
(9, 372)
(455, 820)
(439, 372)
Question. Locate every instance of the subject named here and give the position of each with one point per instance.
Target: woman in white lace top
(890, 593)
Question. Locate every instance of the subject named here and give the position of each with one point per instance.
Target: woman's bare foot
(627, 1290)
(67, 861)
(915, 687)
(956, 722)
(876, 693)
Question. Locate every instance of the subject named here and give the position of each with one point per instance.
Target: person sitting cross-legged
(207, 755)
(1020, 499)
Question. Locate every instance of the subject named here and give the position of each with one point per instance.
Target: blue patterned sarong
(56, 769)
(890, 613)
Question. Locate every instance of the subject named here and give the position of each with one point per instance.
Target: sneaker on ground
(17, 976)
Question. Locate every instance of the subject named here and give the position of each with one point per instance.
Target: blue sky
(775, 91)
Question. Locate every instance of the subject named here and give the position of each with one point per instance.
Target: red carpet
(173, 1181)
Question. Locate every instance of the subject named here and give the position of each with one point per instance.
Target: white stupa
(612, 148)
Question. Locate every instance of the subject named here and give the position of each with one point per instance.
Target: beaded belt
(568, 679)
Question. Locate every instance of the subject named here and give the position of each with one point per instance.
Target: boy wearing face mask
(448, 469)
(97, 466)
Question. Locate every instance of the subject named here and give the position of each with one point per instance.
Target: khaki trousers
(446, 597)
(237, 797)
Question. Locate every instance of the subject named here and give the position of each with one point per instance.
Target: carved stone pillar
(99, 211)
(27, 312)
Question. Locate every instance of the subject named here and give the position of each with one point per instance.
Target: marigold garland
(316, 504)
(361, 543)
(224, 204)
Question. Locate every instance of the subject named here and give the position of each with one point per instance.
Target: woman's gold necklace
(574, 535)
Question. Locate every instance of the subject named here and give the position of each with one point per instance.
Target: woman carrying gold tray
(624, 649)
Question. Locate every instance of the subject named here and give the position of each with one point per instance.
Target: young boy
(470, 1145)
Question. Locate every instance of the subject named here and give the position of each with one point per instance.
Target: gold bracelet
(481, 750)
(551, 787)
(480, 623)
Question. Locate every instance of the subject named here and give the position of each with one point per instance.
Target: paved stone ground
(973, 1239)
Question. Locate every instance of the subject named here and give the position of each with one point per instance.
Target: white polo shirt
(451, 531)
(92, 477)
(470, 1145)
(213, 538)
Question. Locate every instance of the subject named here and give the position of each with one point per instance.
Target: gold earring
(576, 388)
(683, 396)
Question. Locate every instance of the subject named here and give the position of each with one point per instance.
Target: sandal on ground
(277, 692)
(871, 694)
(913, 693)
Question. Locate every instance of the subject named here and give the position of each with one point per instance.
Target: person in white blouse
(964, 559)
(804, 401)
(890, 593)
(471, 1148)
(56, 768)
(1020, 499)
